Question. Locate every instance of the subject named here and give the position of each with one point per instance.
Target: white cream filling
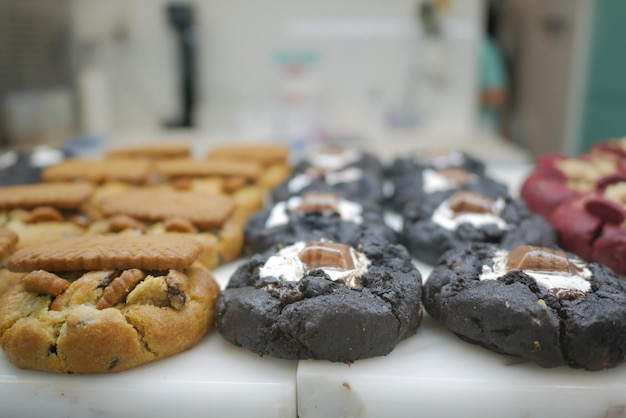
(334, 160)
(451, 159)
(547, 279)
(279, 215)
(432, 181)
(445, 217)
(300, 181)
(286, 266)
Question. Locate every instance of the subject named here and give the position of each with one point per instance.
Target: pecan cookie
(43, 212)
(323, 300)
(8, 242)
(538, 303)
(105, 304)
(211, 219)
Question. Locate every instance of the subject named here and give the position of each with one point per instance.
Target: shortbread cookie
(105, 304)
(443, 221)
(541, 304)
(314, 216)
(151, 151)
(212, 219)
(322, 300)
(238, 179)
(8, 243)
(98, 171)
(273, 157)
(42, 212)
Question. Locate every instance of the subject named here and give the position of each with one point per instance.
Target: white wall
(374, 72)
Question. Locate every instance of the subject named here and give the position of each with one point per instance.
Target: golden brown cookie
(45, 211)
(8, 242)
(212, 219)
(151, 151)
(105, 304)
(273, 157)
(98, 171)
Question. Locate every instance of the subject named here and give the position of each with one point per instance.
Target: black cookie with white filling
(322, 300)
(350, 172)
(417, 184)
(314, 216)
(448, 220)
(544, 305)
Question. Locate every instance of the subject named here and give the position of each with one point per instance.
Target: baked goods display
(541, 304)
(323, 300)
(583, 198)
(324, 274)
(451, 219)
(105, 304)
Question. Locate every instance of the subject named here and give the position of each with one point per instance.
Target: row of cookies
(104, 269)
(325, 278)
(500, 280)
(584, 198)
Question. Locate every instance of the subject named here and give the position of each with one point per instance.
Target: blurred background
(534, 75)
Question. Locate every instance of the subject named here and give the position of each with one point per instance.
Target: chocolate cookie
(445, 220)
(314, 216)
(322, 300)
(541, 304)
(351, 173)
(418, 184)
(105, 304)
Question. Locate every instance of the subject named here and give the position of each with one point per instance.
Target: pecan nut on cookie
(105, 304)
(541, 304)
(322, 300)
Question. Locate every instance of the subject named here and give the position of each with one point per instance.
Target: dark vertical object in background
(181, 18)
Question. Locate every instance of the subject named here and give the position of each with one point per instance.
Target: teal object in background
(604, 99)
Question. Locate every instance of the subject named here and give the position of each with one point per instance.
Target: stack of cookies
(120, 249)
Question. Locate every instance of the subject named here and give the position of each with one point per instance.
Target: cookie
(212, 219)
(349, 172)
(541, 304)
(558, 178)
(238, 179)
(105, 304)
(98, 171)
(419, 182)
(42, 212)
(447, 220)
(322, 300)
(151, 151)
(8, 243)
(436, 159)
(314, 216)
(593, 226)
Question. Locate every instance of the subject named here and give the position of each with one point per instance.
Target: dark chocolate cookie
(314, 216)
(323, 300)
(447, 220)
(541, 304)
(415, 185)
(351, 173)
